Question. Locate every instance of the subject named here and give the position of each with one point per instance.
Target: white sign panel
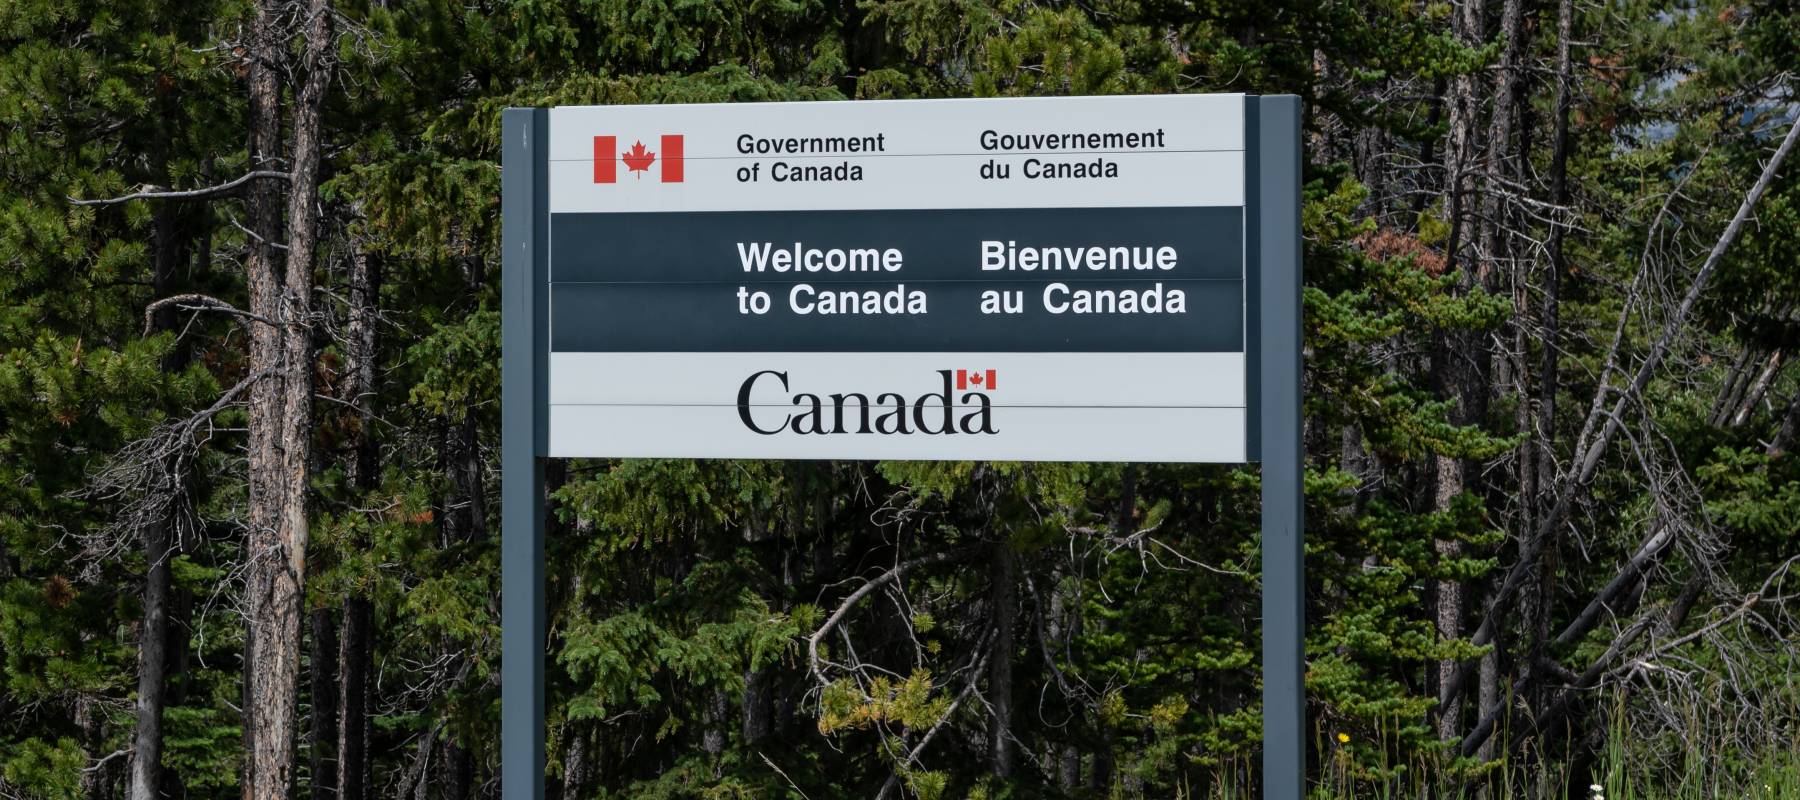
(1016, 279)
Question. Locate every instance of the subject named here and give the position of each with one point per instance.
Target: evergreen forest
(250, 403)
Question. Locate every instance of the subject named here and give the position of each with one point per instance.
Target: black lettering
(743, 403)
(813, 412)
(984, 414)
(949, 425)
(897, 416)
(837, 407)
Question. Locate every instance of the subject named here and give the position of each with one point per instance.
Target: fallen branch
(1661, 533)
(1750, 601)
(1490, 716)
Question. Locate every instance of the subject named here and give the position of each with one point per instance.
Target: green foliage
(682, 594)
(51, 771)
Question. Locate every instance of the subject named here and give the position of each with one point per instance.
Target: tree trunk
(1451, 375)
(1790, 422)
(1753, 397)
(360, 389)
(324, 705)
(759, 707)
(1449, 594)
(263, 281)
(177, 654)
(353, 684)
(1003, 604)
(459, 772)
(1064, 624)
(1501, 123)
(1542, 499)
(90, 718)
(1459, 153)
(575, 766)
(1489, 695)
(356, 647)
(280, 424)
(153, 637)
(716, 717)
(1100, 776)
(1498, 263)
(144, 780)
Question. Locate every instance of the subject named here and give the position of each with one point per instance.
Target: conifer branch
(912, 756)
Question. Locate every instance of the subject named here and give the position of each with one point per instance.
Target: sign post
(1277, 175)
(1023, 279)
(524, 346)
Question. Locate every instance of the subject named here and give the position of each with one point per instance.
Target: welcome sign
(1072, 278)
(1015, 279)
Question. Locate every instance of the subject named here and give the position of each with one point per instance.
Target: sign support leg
(521, 470)
(1283, 551)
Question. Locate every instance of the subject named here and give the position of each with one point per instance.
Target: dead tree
(1606, 420)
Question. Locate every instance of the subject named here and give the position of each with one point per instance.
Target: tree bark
(1497, 263)
(360, 389)
(280, 424)
(759, 706)
(90, 718)
(1790, 422)
(575, 766)
(716, 718)
(1501, 123)
(1464, 115)
(459, 772)
(1541, 500)
(1448, 599)
(1754, 396)
(263, 282)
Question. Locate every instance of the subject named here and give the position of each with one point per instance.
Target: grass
(1681, 764)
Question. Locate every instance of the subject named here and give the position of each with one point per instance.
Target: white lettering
(1009, 256)
(1059, 298)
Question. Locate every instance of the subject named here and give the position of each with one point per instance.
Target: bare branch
(146, 476)
(221, 190)
(198, 302)
(102, 761)
(843, 609)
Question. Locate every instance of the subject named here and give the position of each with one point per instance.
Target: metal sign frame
(1273, 246)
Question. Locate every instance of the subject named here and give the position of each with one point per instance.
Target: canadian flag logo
(978, 378)
(638, 159)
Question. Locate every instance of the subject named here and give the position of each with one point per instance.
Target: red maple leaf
(637, 159)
